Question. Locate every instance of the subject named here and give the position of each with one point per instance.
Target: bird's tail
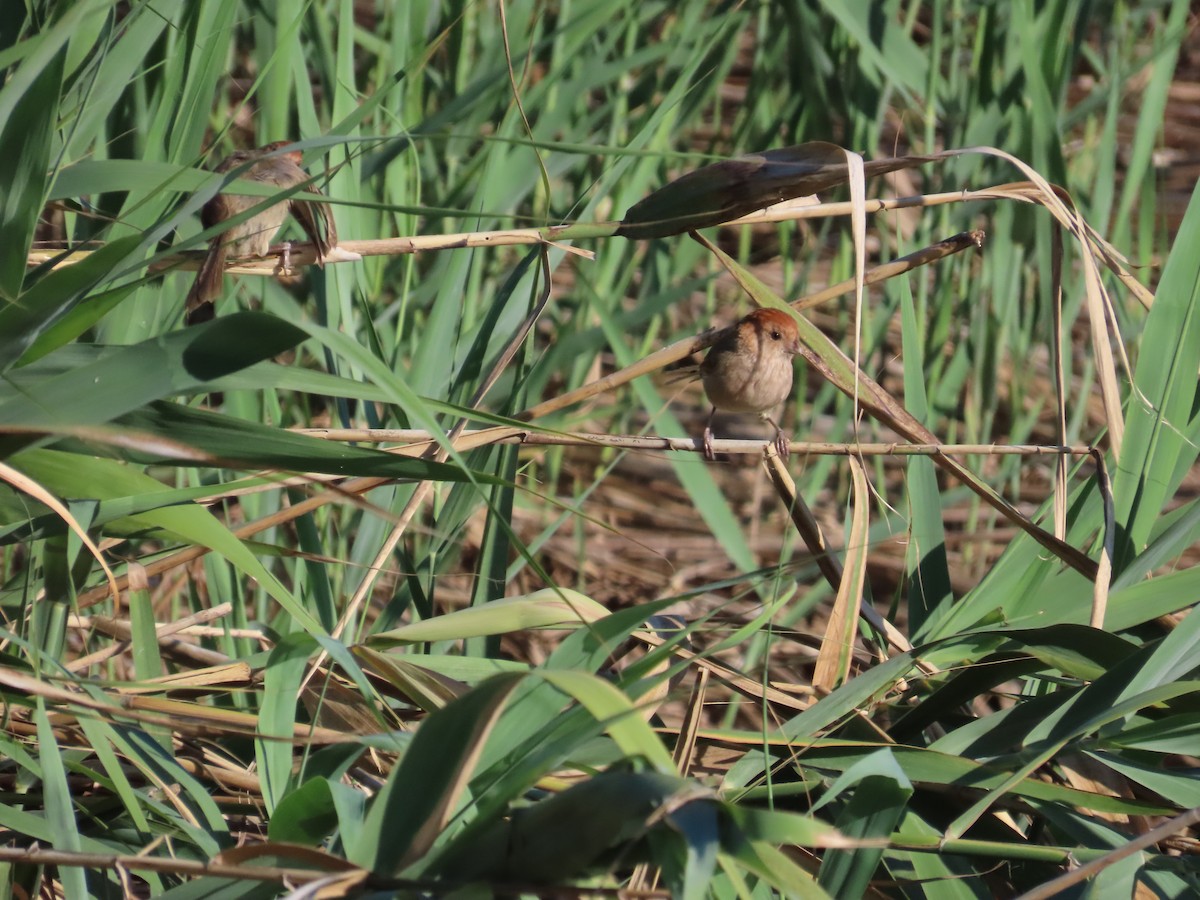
(207, 286)
(686, 370)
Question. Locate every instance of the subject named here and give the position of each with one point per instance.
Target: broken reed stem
(416, 439)
(414, 442)
(122, 630)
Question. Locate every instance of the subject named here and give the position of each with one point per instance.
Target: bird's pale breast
(754, 381)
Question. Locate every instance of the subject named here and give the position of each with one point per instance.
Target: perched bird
(749, 369)
(253, 236)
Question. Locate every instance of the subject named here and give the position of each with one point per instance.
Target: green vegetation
(241, 654)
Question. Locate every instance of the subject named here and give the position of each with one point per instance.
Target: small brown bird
(750, 370)
(253, 236)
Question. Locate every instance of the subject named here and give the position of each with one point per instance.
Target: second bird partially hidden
(750, 370)
(252, 237)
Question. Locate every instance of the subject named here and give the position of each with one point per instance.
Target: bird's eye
(777, 335)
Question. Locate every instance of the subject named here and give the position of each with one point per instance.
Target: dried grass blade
(858, 228)
(1060, 383)
(1104, 574)
(837, 647)
(743, 684)
(27, 485)
(1099, 304)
